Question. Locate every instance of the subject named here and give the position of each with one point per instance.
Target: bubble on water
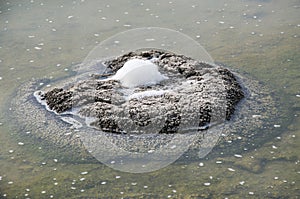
(70, 17)
(219, 162)
(103, 183)
(174, 191)
(231, 169)
(11, 151)
(238, 156)
(82, 179)
(242, 182)
(251, 193)
(207, 184)
(145, 187)
(20, 143)
(43, 192)
(276, 125)
(84, 173)
(118, 177)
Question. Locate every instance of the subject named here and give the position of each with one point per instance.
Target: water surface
(260, 39)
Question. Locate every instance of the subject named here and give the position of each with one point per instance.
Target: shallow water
(259, 39)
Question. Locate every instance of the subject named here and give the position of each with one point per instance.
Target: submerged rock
(185, 95)
(196, 97)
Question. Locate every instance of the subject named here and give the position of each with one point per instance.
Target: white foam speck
(237, 156)
(256, 116)
(230, 169)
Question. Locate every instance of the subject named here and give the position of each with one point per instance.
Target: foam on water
(138, 72)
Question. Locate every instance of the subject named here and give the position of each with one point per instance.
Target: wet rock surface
(194, 96)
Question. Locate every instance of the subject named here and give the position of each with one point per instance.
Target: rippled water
(260, 39)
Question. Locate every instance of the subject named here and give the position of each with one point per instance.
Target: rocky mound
(194, 96)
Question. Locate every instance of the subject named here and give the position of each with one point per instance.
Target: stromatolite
(195, 95)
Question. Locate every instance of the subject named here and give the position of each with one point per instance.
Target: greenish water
(40, 39)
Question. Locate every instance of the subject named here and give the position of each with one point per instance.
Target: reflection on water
(42, 39)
